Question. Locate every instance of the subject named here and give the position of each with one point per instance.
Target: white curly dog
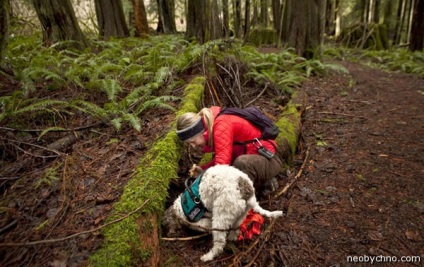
(228, 194)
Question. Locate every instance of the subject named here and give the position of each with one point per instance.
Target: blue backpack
(191, 203)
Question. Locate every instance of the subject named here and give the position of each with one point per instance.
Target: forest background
(75, 75)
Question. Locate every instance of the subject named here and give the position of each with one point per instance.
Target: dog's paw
(277, 214)
(207, 257)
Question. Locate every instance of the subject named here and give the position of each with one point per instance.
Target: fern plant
(50, 176)
(389, 60)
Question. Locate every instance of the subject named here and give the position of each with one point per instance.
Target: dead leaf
(375, 235)
(412, 235)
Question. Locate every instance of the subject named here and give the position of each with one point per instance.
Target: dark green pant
(258, 168)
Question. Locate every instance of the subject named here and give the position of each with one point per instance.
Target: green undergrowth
(118, 80)
(149, 182)
(396, 59)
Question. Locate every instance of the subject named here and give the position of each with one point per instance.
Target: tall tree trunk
(215, 23)
(389, 20)
(196, 21)
(338, 27)
(264, 13)
(371, 6)
(399, 21)
(410, 16)
(417, 30)
(140, 18)
(246, 19)
(276, 16)
(226, 18)
(4, 29)
(330, 17)
(302, 26)
(59, 22)
(111, 19)
(377, 11)
(167, 16)
(321, 10)
(237, 18)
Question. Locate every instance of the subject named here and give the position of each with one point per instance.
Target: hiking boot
(273, 184)
(270, 186)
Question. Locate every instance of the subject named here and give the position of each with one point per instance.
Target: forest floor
(359, 195)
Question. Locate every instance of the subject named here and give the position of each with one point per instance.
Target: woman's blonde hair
(188, 119)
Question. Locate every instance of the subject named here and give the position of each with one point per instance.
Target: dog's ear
(171, 223)
(245, 188)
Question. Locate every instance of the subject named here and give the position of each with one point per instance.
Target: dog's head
(171, 219)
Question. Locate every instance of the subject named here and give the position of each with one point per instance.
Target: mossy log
(261, 36)
(363, 36)
(290, 124)
(135, 240)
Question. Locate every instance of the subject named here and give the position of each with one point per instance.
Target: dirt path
(362, 193)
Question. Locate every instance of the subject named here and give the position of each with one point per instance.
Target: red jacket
(228, 129)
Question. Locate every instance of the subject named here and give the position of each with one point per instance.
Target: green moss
(192, 95)
(150, 181)
(262, 36)
(289, 124)
(206, 158)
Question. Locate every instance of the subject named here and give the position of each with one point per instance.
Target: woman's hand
(195, 171)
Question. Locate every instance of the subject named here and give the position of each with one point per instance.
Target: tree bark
(59, 22)
(303, 26)
(417, 37)
(399, 21)
(215, 23)
(338, 27)
(140, 18)
(196, 21)
(264, 13)
(111, 19)
(377, 6)
(4, 29)
(226, 18)
(237, 18)
(247, 19)
(276, 15)
(389, 20)
(166, 10)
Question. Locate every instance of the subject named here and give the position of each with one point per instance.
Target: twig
(225, 69)
(341, 114)
(247, 252)
(299, 173)
(260, 94)
(37, 146)
(225, 91)
(252, 261)
(205, 228)
(184, 238)
(55, 130)
(352, 203)
(361, 101)
(7, 227)
(212, 88)
(74, 235)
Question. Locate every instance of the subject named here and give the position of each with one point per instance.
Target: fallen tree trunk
(135, 240)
